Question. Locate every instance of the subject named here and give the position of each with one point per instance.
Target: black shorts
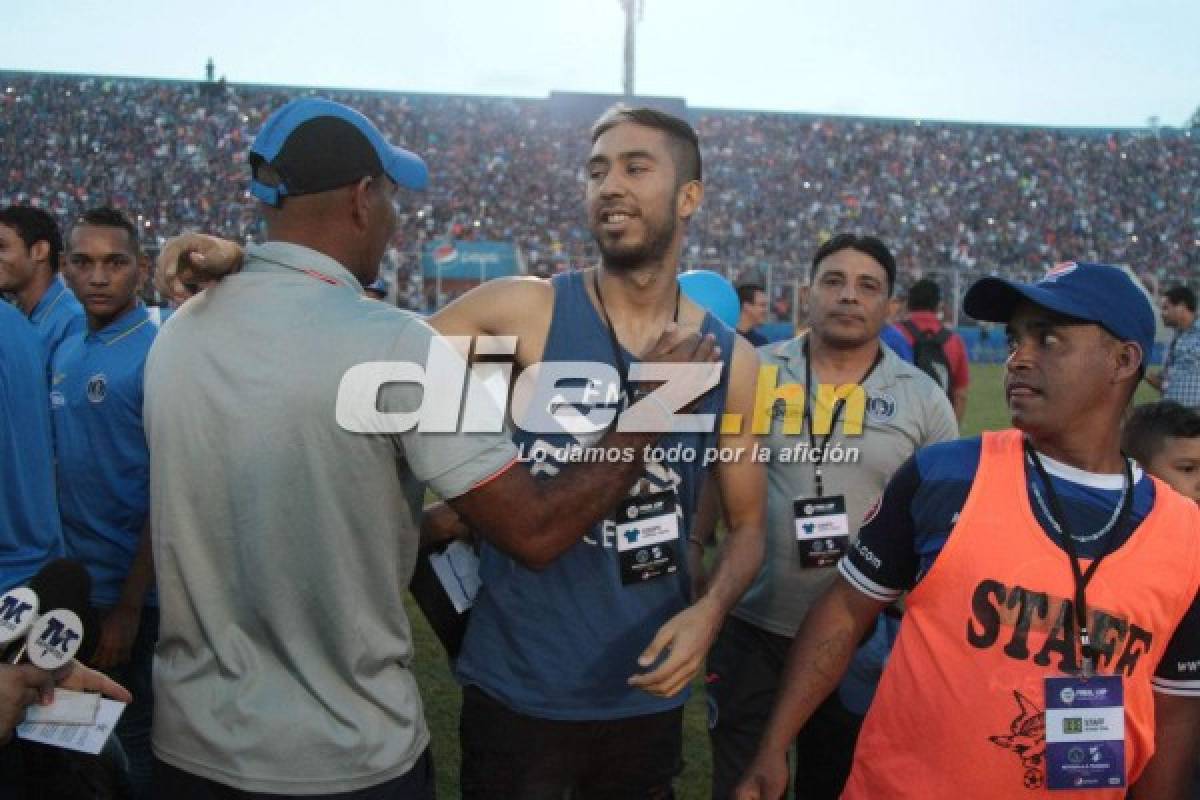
(517, 757)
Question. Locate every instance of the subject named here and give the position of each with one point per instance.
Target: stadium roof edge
(272, 86)
(943, 123)
(693, 111)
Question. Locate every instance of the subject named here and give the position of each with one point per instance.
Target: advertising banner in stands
(470, 260)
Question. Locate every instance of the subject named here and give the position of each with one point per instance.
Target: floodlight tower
(631, 8)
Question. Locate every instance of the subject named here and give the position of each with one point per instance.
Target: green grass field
(985, 411)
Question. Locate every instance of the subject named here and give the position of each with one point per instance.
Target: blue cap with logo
(315, 145)
(1097, 293)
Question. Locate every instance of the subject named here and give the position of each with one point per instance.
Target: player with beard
(549, 657)
(575, 675)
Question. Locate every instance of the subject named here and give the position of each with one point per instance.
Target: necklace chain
(1090, 537)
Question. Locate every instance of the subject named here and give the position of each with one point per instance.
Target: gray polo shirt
(284, 544)
(905, 410)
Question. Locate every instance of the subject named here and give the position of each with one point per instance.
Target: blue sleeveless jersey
(561, 643)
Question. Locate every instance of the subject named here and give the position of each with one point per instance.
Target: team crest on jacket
(1026, 737)
(881, 406)
(97, 388)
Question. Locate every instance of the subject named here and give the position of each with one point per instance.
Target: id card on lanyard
(647, 525)
(647, 537)
(1085, 714)
(822, 524)
(822, 529)
(1085, 733)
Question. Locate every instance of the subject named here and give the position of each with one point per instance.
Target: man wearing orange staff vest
(1051, 627)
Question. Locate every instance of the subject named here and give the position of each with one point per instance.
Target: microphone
(53, 640)
(60, 590)
(18, 610)
(63, 583)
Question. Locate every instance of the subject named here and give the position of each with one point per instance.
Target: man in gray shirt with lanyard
(832, 452)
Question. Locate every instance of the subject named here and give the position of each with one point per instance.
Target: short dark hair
(1181, 295)
(681, 136)
(34, 225)
(108, 217)
(924, 295)
(872, 246)
(1149, 426)
(747, 291)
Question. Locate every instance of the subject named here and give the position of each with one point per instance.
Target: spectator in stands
(890, 334)
(936, 349)
(30, 250)
(753, 300)
(1179, 379)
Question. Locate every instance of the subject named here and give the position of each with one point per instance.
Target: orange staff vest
(960, 709)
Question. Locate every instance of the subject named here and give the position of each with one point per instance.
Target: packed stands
(949, 196)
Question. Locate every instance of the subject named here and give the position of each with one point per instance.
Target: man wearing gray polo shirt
(283, 538)
(830, 461)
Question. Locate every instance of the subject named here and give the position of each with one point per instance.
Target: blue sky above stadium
(1050, 62)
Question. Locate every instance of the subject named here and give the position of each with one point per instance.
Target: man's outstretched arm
(817, 660)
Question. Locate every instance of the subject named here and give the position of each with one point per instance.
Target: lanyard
(312, 273)
(818, 451)
(622, 367)
(1082, 578)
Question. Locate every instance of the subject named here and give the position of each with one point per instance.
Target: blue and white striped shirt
(1181, 374)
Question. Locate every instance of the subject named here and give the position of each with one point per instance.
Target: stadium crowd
(971, 197)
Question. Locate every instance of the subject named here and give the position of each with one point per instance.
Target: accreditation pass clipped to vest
(1085, 733)
(1085, 715)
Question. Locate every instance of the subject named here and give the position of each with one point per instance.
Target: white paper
(84, 738)
(69, 707)
(457, 568)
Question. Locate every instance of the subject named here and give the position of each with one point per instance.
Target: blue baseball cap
(1097, 293)
(315, 145)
